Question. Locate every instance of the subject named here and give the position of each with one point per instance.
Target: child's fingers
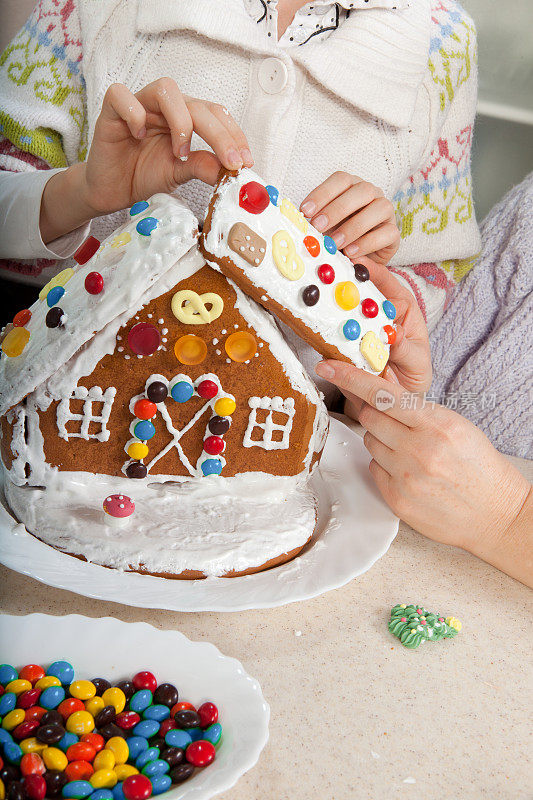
(163, 97)
(201, 164)
(215, 134)
(345, 205)
(385, 236)
(378, 211)
(121, 105)
(241, 142)
(327, 191)
(388, 284)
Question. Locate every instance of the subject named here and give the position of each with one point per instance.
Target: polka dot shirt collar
(316, 18)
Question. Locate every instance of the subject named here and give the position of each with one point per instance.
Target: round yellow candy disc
(15, 342)
(347, 295)
(241, 346)
(137, 450)
(190, 349)
(225, 406)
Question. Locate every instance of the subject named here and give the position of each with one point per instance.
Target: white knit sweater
(390, 96)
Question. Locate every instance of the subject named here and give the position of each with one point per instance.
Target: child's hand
(356, 214)
(141, 144)
(439, 473)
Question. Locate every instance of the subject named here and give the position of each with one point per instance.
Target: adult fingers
(381, 477)
(120, 105)
(241, 142)
(389, 432)
(376, 212)
(389, 399)
(384, 236)
(325, 192)
(347, 204)
(381, 454)
(215, 134)
(164, 97)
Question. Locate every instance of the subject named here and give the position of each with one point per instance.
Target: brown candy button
(246, 243)
(361, 272)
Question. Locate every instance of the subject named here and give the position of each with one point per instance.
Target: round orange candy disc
(241, 346)
(312, 245)
(22, 318)
(190, 349)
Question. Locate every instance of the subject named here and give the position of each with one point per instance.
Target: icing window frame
(271, 405)
(64, 414)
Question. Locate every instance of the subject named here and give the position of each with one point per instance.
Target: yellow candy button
(58, 280)
(18, 686)
(54, 758)
(114, 697)
(241, 346)
(82, 690)
(94, 705)
(15, 342)
(225, 406)
(2, 790)
(13, 718)
(119, 748)
(105, 759)
(103, 779)
(32, 745)
(190, 349)
(374, 351)
(47, 681)
(137, 451)
(347, 295)
(80, 722)
(123, 771)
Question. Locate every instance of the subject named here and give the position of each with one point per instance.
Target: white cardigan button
(272, 75)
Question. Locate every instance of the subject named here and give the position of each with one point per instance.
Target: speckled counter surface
(355, 714)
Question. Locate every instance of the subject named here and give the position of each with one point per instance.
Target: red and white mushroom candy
(119, 507)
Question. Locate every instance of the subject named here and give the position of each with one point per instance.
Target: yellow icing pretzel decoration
(191, 308)
(58, 280)
(295, 216)
(285, 256)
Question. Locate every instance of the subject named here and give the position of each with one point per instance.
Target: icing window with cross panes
(85, 414)
(269, 423)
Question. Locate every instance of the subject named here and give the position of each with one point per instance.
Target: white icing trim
(89, 396)
(272, 405)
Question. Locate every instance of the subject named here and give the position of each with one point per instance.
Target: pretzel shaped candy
(285, 256)
(191, 308)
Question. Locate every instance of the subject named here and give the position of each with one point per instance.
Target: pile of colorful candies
(61, 737)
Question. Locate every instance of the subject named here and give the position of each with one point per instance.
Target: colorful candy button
(15, 341)
(13, 718)
(69, 706)
(144, 430)
(31, 672)
(312, 245)
(80, 722)
(361, 272)
(311, 295)
(54, 295)
(347, 295)
(390, 333)
(200, 754)
(351, 329)
(389, 309)
(7, 673)
(178, 738)
(330, 245)
(219, 425)
(225, 406)
(94, 283)
(181, 391)
(213, 733)
(273, 193)
(240, 346)
(18, 686)
(52, 697)
(190, 349)
(141, 700)
(8, 701)
(369, 308)
(123, 771)
(48, 680)
(55, 318)
(211, 466)
(82, 690)
(22, 318)
(137, 745)
(94, 705)
(77, 790)
(144, 339)
(158, 711)
(156, 767)
(103, 779)
(207, 389)
(208, 713)
(214, 446)
(137, 787)
(138, 208)
(61, 670)
(326, 273)
(157, 392)
(54, 758)
(119, 748)
(146, 728)
(146, 756)
(86, 250)
(146, 226)
(144, 409)
(253, 197)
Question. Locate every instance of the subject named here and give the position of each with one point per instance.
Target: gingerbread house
(146, 385)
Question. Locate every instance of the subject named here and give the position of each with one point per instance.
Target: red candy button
(137, 787)
(29, 698)
(144, 339)
(390, 333)
(79, 771)
(69, 706)
(32, 764)
(127, 720)
(144, 409)
(97, 741)
(200, 754)
(208, 713)
(312, 245)
(35, 712)
(21, 319)
(253, 197)
(326, 273)
(166, 726)
(94, 283)
(145, 680)
(181, 706)
(34, 787)
(369, 308)
(26, 728)
(86, 250)
(81, 751)
(214, 445)
(207, 389)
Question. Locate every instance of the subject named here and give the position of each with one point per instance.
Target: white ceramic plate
(355, 528)
(116, 650)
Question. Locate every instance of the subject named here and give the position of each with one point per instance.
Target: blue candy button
(157, 712)
(273, 194)
(351, 329)
(146, 728)
(212, 466)
(8, 701)
(195, 734)
(176, 738)
(61, 669)
(146, 226)
(7, 673)
(141, 700)
(213, 733)
(144, 430)
(330, 245)
(152, 754)
(389, 309)
(52, 697)
(157, 767)
(66, 741)
(12, 752)
(137, 745)
(182, 391)
(5, 736)
(102, 794)
(77, 789)
(136, 208)
(160, 784)
(118, 794)
(53, 297)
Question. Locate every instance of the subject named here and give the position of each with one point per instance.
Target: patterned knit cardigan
(44, 123)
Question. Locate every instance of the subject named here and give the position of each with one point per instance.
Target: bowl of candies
(84, 716)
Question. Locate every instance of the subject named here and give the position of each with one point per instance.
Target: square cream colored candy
(374, 351)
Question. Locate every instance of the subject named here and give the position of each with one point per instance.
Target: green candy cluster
(414, 625)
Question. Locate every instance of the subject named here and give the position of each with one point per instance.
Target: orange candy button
(312, 245)
(347, 295)
(22, 318)
(190, 349)
(241, 346)
(390, 334)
